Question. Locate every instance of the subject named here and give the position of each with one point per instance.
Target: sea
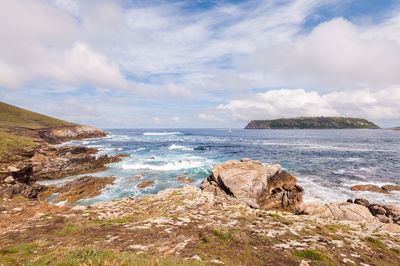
(327, 163)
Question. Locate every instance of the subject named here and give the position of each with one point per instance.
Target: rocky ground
(186, 227)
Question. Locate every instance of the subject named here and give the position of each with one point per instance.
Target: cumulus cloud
(39, 46)
(158, 55)
(335, 54)
(382, 104)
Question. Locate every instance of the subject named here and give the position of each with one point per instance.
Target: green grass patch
(222, 235)
(11, 144)
(375, 242)
(309, 254)
(70, 229)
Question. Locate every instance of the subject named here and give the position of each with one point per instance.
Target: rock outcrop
(374, 188)
(80, 188)
(16, 182)
(252, 183)
(51, 162)
(145, 184)
(341, 211)
(385, 213)
(58, 135)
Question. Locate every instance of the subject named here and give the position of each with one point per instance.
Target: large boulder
(341, 211)
(244, 179)
(255, 184)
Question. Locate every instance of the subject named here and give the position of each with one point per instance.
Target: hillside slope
(12, 116)
(21, 130)
(312, 123)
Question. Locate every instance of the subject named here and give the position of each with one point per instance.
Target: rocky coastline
(244, 213)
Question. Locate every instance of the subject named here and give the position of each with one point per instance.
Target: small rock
(362, 202)
(12, 169)
(9, 180)
(304, 263)
(371, 188)
(145, 184)
(217, 261)
(349, 201)
(196, 257)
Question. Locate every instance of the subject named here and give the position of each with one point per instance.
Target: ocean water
(325, 162)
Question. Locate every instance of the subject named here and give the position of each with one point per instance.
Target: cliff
(312, 123)
(22, 130)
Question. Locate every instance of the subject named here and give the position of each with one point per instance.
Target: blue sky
(126, 63)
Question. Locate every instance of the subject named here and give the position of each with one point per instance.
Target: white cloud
(382, 104)
(336, 54)
(39, 46)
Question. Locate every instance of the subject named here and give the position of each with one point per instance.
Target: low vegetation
(312, 123)
(12, 145)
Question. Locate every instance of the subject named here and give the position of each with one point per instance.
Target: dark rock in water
(254, 184)
(371, 188)
(362, 202)
(145, 184)
(184, 179)
(349, 201)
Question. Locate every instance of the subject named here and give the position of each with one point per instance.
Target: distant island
(395, 128)
(312, 123)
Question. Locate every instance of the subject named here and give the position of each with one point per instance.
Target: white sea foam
(171, 166)
(179, 147)
(160, 133)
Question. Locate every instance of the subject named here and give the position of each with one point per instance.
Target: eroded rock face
(385, 213)
(19, 183)
(80, 188)
(254, 184)
(54, 163)
(341, 211)
(59, 135)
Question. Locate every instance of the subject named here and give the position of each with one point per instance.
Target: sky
(204, 63)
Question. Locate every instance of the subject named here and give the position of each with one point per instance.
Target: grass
(93, 257)
(222, 235)
(70, 229)
(12, 116)
(11, 144)
(374, 242)
(309, 254)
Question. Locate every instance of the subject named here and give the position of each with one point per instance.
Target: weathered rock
(9, 179)
(245, 179)
(281, 181)
(145, 184)
(54, 163)
(391, 187)
(58, 135)
(362, 202)
(392, 213)
(254, 184)
(371, 188)
(184, 179)
(338, 211)
(80, 188)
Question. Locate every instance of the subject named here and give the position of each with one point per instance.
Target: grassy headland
(19, 130)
